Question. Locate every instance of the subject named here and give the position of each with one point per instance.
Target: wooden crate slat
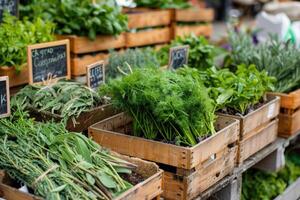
(290, 100)
(194, 15)
(15, 79)
(289, 124)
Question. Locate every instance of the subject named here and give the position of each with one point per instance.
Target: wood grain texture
(194, 15)
(290, 100)
(15, 79)
(289, 124)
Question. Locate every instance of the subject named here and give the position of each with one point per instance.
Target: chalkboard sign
(49, 62)
(178, 57)
(95, 74)
(11, 6)
(4, 97)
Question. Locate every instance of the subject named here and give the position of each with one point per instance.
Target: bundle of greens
(258, 185)
(16, 35)
(279, 59)
(201, 53)
(165, 106)
(135, 58)
(238, 92)
(57, 164)
(67, 99)
(79, 17)
(177, 4)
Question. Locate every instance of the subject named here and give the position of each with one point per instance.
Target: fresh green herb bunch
(239, 91)
(79, 17)
(16, 35)
(65, 98)
(178, 4)
(201, 53)
(135, 58)
(57, 164)
(164, 105)
(259, 185)
(279, 59)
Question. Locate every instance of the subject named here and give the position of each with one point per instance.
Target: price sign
(95, 74)
(49, 62)
(178, 57)
(11, 6)
(4, 97)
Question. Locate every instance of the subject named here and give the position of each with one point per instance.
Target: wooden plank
(80, 44)
(290, 100)
(184, 30)
(15, 79)
(110, 133)
(79, 63)
(148, 18)
(194, 15)
(148, 37)
(266, 134)
(289, 124)
(291, 193)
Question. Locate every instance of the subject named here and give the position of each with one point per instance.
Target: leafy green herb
(178, 4)
(16, 35)
(79, 17)
(164, 105)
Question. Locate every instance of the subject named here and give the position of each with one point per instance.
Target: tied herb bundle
(67, 99)
(79, 17)
(238, 92)
(165, 106)
(135, 58)
(279, 59)
(16, 35)
(57, 164)
(178, 4)
(201, 53)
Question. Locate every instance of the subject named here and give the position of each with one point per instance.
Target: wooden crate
(141, 18)
(79, 63)
(148, 37)
(192, 185)
(81, 44)
(194, 15)
(84, 120)
(289, 116)
(112, 133)
(150, 188)
(255, 124)
(15, 79)
(184, 30)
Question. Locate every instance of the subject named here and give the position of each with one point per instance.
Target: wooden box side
(194, 15)
(184, 30)
(226, 136)
(149, 18)
(266, 134)
(291, 100)
(289, 124)
(15, 79)
(149, 37)
(79, 64)
(109, 133)
(81, 44)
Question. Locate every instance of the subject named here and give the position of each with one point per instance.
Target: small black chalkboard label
(95, 74)
(49, 62)
(178, 57)
(11, 6)
(4, 97)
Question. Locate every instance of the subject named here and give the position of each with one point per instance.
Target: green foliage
(279, 59)
(68, 99)
(16, 35)
(258, 185)
(239, 91)
(57, 164)
(201, 53)
(135, 58)
(164, 105)
(79, 17)
(178, 4)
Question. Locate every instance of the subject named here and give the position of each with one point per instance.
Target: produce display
(79, 17)
(65, 98)
(57, 164)
(164, 4)
(16, 35)
(162, 105)
(280, 59)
